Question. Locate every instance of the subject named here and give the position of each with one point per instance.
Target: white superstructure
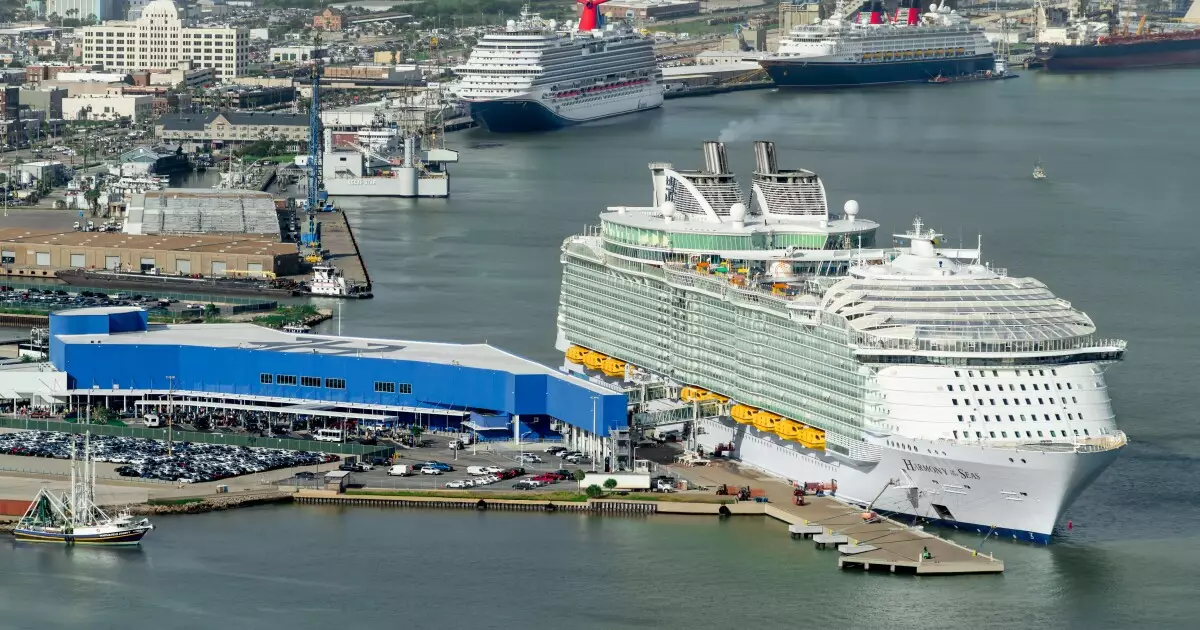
(873, 37)
(949, 389)
(534, 76)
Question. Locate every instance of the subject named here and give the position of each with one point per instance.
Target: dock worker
(925, 555)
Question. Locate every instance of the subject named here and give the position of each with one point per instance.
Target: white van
(328, 435)
(400, 470)
(152, 420)
(477, 471)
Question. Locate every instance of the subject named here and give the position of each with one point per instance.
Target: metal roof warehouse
(115, 351)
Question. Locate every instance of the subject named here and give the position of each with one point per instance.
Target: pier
(877, 544)
(338, 238)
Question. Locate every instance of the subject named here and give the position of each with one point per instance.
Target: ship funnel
(714, 158)
(764, 156)
(659, 176)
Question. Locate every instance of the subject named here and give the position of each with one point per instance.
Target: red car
(547, 478)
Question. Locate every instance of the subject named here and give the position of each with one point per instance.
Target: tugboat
(1038, 171)
(73, 517)
(328, 281)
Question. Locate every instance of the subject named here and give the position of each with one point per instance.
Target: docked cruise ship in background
(914, 378)
(870, 48)
(532, 77)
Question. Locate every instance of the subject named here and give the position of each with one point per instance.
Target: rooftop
(197, 122)
(202, 211)
(212, 243)
(251, 336)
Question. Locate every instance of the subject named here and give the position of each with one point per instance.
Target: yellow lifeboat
(960, 51)
(613, 367)
(941, 51)
(594, 360)
(765, 421)
(576, 354)
(689, 393)
(743, 414)
(788, 429)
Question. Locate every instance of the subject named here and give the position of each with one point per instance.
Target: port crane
(316, 195)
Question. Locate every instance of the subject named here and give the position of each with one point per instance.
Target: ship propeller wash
(913, 378)
(72, 517)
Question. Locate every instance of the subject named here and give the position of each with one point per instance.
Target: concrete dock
(338, 238)
(882, 544)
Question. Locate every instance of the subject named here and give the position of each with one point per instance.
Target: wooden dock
(883, 544)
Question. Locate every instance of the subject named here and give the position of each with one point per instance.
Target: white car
(430, 470)
(530, 458)
(458, 483)
(492, 470)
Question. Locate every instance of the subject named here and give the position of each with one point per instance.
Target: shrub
(594, 491)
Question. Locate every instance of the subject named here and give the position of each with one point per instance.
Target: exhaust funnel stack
(764, 156)
(715, 161)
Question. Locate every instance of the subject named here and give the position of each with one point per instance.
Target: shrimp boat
(72, 517)
(1038, 171)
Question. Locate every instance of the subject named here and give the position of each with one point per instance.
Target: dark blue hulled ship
(861, 45)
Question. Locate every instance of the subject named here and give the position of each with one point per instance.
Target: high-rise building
(161, 39)
(99, 10)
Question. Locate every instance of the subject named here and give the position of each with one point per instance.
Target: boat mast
(74, 499)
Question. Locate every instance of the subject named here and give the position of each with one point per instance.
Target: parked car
(565, 454)
(458, 483)
(400, 470)
(525, 485)
(430, 470)
(546, 478)
(442, 466)
(554, 450)
(530, 458)
(305, 474)
(492, 470)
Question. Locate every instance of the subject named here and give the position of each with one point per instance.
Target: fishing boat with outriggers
(72, 517)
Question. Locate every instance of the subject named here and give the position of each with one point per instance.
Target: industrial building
(202, 211)
(116, 354)
(650, 9)
(29, 253)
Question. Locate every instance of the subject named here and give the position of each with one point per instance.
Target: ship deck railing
(1098, 444)
(867, 345)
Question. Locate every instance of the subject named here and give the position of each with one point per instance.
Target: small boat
(1038, 171)
(297, 328)
(73, 518)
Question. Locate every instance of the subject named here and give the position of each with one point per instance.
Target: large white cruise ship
(917, 379)
(532, 77)
(908, 47)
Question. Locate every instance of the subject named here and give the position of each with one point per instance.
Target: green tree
(578, 475)
(415, 431)
(610, 484)
(92, 196)
(593, 491)
(211, 311)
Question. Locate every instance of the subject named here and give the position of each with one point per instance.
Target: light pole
(170, 414)
(595, 438)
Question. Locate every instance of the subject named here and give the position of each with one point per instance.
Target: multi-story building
(98, 10)
(161, 39)
(220, 130)
(48, 100)
(111, 106)
(331, 19)
(186, 73)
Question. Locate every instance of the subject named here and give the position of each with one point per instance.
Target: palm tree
(71, 13)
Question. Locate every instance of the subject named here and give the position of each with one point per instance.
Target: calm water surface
(1111, 230)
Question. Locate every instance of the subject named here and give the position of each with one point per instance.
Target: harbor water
(1110, 229)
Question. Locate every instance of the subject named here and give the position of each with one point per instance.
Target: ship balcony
(1108, 349)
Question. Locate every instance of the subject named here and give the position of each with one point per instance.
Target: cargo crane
(316, 196)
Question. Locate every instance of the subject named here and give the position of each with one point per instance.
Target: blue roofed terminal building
(117, 354)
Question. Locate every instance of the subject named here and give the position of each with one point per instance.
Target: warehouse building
(647, 9)
(115, 353)
(202, 211)
(27, 253)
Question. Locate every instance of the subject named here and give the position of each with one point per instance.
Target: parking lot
(500, 454)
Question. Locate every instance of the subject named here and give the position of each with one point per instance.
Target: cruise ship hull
(523, 115)
(968, 487)
(819, 73)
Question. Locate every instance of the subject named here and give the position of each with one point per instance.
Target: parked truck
(625, 481)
